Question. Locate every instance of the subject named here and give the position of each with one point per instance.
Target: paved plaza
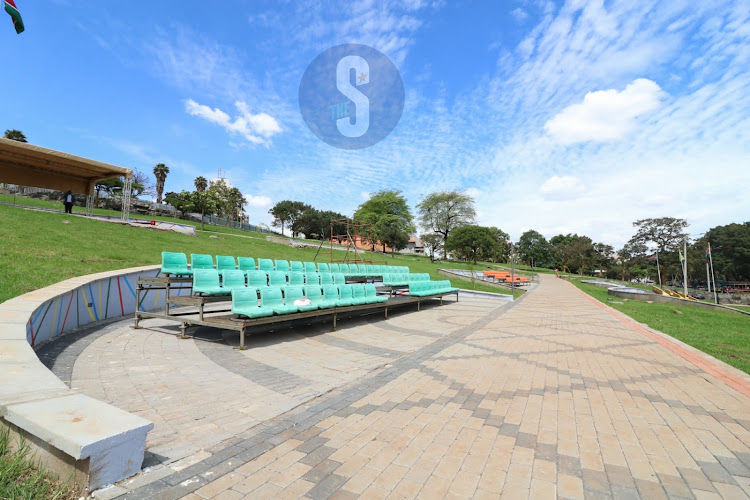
(553, 396)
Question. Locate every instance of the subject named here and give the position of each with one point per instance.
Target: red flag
(12, 10)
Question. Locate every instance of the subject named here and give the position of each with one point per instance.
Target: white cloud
(256, 129)
(562, 188)
(519, 14)
(258, 201)
(605, 115)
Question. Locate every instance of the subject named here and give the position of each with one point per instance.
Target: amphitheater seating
(246, 263)
(310, 267)
(312, 278)
(326, 279)
(345, 296)
(245, 303)
(372, 294)
(225, 262)
(427, 288)
(232, 278)
(201, 261)
(296, 278)
(265, 265)
(282, 265)
(334, 268)
(331, 293)
(175, 263)
(297, 266)
(339, 278)
(273, 297)
(206, 282)
(276, 278)
(292, 293)
(257, 279)
(315, 294)
(358, 295)
(323, 267)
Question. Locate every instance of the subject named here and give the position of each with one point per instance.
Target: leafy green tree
(182, 201)
(573, 252)
(501, 251)
(633, 260)
(730, 250)
(469, 242)
(287, 213)
(434, 244)
(381, 205)
(443, 211)
(160, 172)
(388, 231)
(604, 256)
(201, 200)
(109, 186)
(15, 135)
(666, 234)
(535, 250)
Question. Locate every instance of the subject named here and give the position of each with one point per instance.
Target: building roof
(28, 165)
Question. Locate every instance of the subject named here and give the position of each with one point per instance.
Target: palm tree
(200, 187)
(15, 135)
(200, 184)
(160, 171)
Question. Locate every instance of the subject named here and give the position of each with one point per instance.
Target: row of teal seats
(209, 282)
(176, 263)
(427, 288)
(390, 279)
(280, 300)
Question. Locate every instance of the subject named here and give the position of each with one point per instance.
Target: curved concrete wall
(71, 432)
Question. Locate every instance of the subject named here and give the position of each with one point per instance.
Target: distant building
(415, 245)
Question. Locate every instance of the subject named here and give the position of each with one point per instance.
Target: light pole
(512, 274)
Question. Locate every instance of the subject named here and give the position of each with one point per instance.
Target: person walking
(70, 200)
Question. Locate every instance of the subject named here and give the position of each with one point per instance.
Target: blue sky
(556, 116)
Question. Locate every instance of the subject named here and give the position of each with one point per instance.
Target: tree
(468, 242)
(573, 252)
(730, 246)
(15, 135)
(604, 256)
(287, 213)
(201, 200)
(141, 184)
(434, 244)
(381, 205)
(667, 235)
(501, 251)
(389, 232)
(235, 204)
(160, 172)
(633, 260)
(108, 186)
(443, 211)
(534, 249)
(181, 201)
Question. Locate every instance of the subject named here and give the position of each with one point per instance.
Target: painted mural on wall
(95, 301)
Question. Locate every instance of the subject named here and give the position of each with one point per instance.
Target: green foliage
(160, 172)
(110, 186)
(722, 334)
(469, 242)
(443, 211)
(535, 250)
(182, 201)
(573, 252)
(730, 246)
(15, 135)
(392, 207)
(288, 213)
(20, 478)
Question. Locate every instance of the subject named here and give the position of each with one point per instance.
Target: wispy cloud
(254, 128)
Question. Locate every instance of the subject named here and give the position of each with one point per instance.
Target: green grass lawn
(722, 334)
(20, 478)
(38, 249)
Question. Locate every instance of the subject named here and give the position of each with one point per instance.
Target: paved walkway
(553, 396)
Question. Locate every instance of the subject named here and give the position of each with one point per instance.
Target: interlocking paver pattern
(554, 396)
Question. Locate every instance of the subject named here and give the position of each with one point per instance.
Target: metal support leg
(89, 205)
(200, 311)
(419, 305)
(441, 300)
(135, 325)
(334, 320)
(386, 312)
(183, 330)
(242, 339)
(166, 300)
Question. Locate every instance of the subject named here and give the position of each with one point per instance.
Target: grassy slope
(38, 249)
(722, 334)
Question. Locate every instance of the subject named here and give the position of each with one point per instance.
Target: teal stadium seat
(282, 265)
(257, 280)
(246, 263)
(372, 294)
(245, 303)
(201, 261)
(312, 278)
(232, 279)
(370, 269)
(339, 279)
(273, 298)
(345, 296)
(296, 278)
(265, 265)
(315, 295)
(292, 293)
(358, 295)
(343, 268)
(297, 266)
(225, 262)
(326, 279)
(276, 278)
(334, 268)
(331, 294)
(310, 267)
(323, 267)
(206, 282)
(175, 263)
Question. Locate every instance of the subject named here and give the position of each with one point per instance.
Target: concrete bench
(70, 433)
